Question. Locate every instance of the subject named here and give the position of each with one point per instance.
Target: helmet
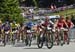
(7, 23)
(46, 18)
(14, 22)
(61, 17)
(68, 18)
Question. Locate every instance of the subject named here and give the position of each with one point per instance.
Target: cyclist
(43, 26)
(28, 36)
(62, 26)
(6, 30)
(0, 30)
(69, 22)
(14, 28)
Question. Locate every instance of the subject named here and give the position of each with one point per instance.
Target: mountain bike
(28, 39)
(47, 37)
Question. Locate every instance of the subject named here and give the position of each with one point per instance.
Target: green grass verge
(66, 12)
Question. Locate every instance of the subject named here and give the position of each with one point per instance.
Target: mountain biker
(6, 30)
(69, 22)
(62, 26)
(0, 30)
(28, 36)
(43, 26)
(14, 29)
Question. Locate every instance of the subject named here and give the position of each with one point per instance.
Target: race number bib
(7, 32)
(48, 28)
(28, 31)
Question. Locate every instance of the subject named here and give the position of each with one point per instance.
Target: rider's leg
(65, 36)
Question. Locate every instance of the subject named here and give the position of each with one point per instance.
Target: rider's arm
(56, 24)
(11, 29)
(53, 25)
(51, 22)
(2, 30)
(65, 24)
(72, 25)
(42, 24)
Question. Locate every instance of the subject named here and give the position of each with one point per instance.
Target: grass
(66, 12)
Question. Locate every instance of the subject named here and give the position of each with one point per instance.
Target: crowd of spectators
(29, 12)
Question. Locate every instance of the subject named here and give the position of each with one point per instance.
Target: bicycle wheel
(13, 39)
(66, 37)
(49, 40)
(26, 40)
(22, 37)
(61, 37)
(29, 39)
(4, 40)
(40, 41)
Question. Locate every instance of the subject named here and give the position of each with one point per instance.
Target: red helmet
(46, 18)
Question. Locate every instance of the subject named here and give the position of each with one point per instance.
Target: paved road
(21, 48)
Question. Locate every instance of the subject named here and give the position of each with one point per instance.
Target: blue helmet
(30, 24)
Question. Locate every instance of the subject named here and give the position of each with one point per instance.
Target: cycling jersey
(13, 26)
(61, 24)
(6, 28)
(46, 23)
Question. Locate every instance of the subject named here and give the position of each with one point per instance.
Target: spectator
(52, 7)
(31, 10)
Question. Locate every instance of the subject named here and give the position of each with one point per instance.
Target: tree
(35, 2)
(71, 1)
(9, 10)
(29, 2)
